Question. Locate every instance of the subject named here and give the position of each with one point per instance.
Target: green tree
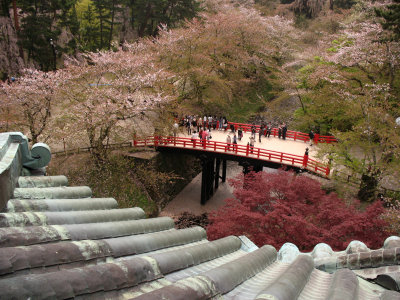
(146, 16)
(42, 23)
(5, 8)
(391, 16)
(90, 30)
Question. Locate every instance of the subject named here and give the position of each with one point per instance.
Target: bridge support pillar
(223, 170)
(207, 178)
(217, 167)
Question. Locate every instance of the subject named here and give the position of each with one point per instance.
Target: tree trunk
(111, 25)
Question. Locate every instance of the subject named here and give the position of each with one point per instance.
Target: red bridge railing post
(316, 138)
(305, 160)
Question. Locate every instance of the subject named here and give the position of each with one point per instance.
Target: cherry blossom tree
(222, 55)
(105, 92)
(30, 99)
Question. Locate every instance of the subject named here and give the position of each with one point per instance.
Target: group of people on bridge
(201, 127)
(195, 123)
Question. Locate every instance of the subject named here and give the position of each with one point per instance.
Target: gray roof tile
(42, 181)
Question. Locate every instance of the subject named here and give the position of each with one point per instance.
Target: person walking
(279, 131)
(269, 129)
(205, 134)
(260, 133)
(240, 133)
(228, 141)
(311, 135)
(175, 129)
(252, 141)
(194, 137)
(188, 126)
(199, 123)
(284, 130)
(234, 142)
(253, 131)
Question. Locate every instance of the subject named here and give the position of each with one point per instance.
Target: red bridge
(213, 151)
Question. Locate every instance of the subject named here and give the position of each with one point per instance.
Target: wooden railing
(239, 150)
(294, 135)
(88, 149)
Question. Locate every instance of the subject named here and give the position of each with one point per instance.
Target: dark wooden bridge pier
(211, 175)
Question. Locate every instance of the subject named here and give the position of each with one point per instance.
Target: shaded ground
(188, 200)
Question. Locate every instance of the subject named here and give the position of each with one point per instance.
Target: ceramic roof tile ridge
(17, 205)
(194, 255)
(69, 217)
(53, 192)
(217, 281)
(344, 286)
(372, 258)
(13, 260)
(289, 285)
(229, 275)
(32, 282)
(79, 281)
(42, 181)
(24, 236)
(135, 244)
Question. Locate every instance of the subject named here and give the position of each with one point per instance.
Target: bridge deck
(272, 150)
(272, 143)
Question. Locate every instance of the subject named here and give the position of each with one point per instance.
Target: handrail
(295, 135)
(239, 150)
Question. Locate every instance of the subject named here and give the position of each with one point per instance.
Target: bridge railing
(239, 150)
(295, 135)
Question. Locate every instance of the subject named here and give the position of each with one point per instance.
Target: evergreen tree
(90, 30)
(41, 24)
(5, 8)
(146, 15)
(391, 16)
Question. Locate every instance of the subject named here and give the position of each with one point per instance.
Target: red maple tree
(274, 208)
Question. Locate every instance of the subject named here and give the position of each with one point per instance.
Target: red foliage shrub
(274, 208)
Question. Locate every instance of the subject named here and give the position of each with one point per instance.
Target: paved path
(189, 198)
